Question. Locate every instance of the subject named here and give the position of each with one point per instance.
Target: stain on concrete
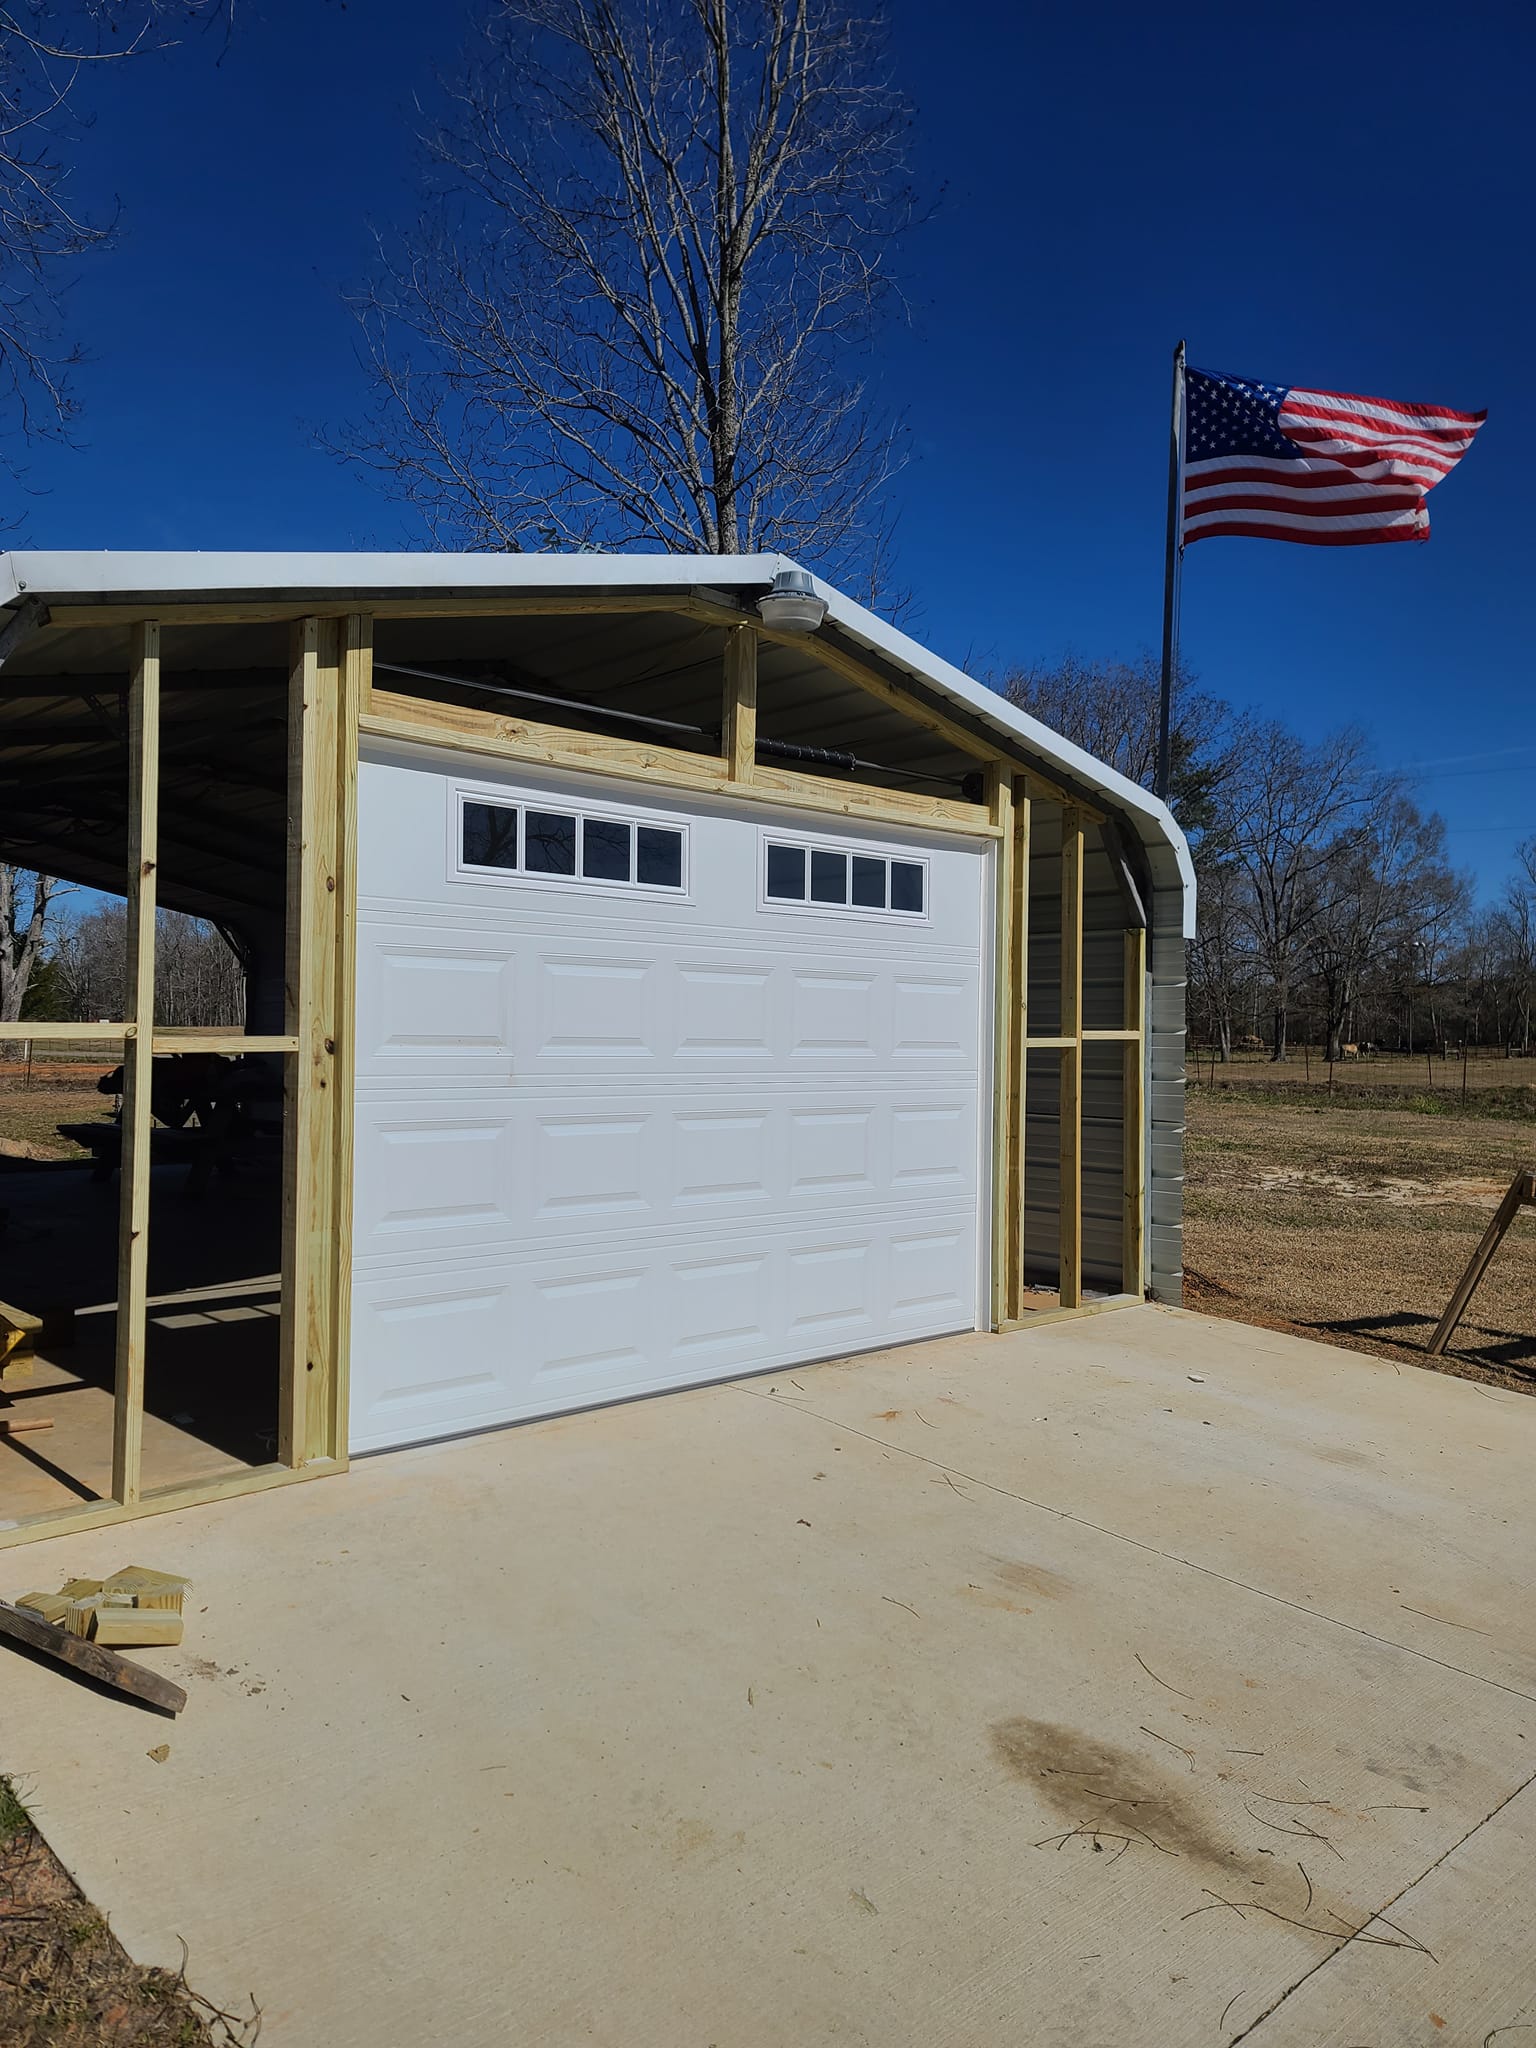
(1340, 1454)
(1019, 1576)
(1087, 1783)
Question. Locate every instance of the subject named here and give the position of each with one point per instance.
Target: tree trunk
(20, 948)
(1282, 1015)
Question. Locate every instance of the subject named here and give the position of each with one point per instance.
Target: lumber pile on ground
(134, 1608)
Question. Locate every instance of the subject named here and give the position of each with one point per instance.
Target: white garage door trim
(614, 1138)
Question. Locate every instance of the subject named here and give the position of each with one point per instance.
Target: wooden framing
(415, 722)
(138, 1052)
(1069, 1201)
(738, 724)
(331, 703)
(1133, 1176)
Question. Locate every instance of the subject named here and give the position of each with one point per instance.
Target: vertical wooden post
(1070, 1193)
(1134, 1114)
(356, 681)
(309, 1154)
(739, 719)
(999, 797)
(1017, 1133)
(138, 1058)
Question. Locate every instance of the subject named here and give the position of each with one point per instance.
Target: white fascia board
(110, 572)
(337, 577)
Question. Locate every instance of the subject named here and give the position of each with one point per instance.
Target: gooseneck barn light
(792, 604)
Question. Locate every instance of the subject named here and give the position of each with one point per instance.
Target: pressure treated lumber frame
(331, 703)
(330, 671)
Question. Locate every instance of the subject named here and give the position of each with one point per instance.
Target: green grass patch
(13, 1815)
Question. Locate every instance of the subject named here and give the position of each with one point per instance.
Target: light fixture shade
(792, 604)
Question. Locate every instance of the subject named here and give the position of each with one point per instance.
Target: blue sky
(1336, 197)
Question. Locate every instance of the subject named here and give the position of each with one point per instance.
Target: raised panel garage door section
(649, 1094)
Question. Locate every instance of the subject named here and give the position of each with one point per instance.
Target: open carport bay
(999, 1688)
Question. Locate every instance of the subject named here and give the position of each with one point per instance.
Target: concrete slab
(949, 1696)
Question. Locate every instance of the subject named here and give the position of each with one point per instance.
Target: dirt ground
(1351, 1223)
(65, 1979)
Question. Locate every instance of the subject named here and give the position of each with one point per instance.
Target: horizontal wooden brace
(197, 1038)
(1111, 1037)
(159, 1500)
(414, 721)
(1041, 1316)
(66, 1034)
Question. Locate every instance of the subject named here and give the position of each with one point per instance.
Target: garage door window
(510, 840)
(828, 878)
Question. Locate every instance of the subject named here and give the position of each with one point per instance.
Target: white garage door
(649, 1095)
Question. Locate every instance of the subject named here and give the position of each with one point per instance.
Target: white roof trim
(188, 577)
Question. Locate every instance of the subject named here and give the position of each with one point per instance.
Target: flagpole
(1171, 563)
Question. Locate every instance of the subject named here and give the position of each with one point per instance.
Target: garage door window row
(834, 880)
(521, 839)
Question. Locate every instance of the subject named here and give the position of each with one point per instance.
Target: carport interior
(192, 1283)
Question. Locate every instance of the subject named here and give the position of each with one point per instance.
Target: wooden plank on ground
(90, 1659)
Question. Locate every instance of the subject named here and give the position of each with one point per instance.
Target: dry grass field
(1351, 1220)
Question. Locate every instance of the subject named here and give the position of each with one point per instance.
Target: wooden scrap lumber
(51, 1606)
(18, 1425)
(147, 1587)
(134, 1628)
(92, 1660)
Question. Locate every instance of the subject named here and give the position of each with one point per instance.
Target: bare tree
(1386, 893)
(26, 900)
(636, 306)
(198, 978)
(1296, 814)
(1110, 708)
(45, 48)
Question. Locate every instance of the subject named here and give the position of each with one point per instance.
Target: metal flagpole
(1171, 564)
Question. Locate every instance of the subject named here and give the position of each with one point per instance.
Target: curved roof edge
(191, 576)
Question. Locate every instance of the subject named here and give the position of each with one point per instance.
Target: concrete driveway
(1011, 1689)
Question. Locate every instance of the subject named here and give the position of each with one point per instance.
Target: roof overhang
(335, 580)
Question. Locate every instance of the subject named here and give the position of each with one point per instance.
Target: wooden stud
(999, 787)
(739, 724)
(1133, 1173)
(329, 1419)
(412, 721)
(138, 1055)
(1017, 1132)
(309, 1159)
(1070, 1194)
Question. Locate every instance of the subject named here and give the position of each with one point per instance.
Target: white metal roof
(172, 577)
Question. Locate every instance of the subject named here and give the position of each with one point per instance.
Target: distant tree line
(1327, 902)
(60, 966)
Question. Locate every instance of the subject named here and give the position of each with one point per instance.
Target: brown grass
(1353, 1224)
(65, 1979)
(29, 1117)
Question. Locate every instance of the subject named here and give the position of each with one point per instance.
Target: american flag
(1325, 467)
